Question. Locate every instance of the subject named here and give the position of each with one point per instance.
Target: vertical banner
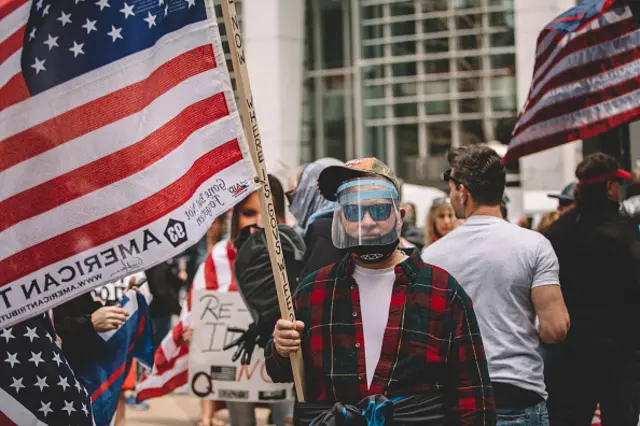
(212, 373)
(115, 154)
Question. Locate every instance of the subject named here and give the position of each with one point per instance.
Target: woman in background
(441, 220)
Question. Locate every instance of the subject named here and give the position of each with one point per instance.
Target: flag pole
(250, 123)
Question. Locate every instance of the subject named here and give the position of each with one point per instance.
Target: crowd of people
(470, 320)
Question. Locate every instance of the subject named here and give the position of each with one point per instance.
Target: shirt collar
(407, 270)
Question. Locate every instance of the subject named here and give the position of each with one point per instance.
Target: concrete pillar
(274, 37)
(554, 168)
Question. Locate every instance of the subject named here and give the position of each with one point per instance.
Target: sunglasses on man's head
(446, 176)
(356, 212)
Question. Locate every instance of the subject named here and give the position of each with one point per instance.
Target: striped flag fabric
(120, 142)
(586, 77)
(103, 377)
(171, 360)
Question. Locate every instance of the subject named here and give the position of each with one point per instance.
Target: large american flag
(171, 360)
(586, 77)
(37, 386)
(120, 142)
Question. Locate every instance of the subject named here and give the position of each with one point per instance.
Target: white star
(78, 386)
(39, 5)
(64, 383)
(6, 333)
(12, 359)
(78, 1)
(32, 34)
(115, 33)
(36, 358)
(166, 10)
(77, 49)
(45, 11)
(191, 2)
(84, 410)
(68, 407)
(49, 334)
(46, 408)
(51, 42)
(151, 20)
(160, 2)
(41, 383)
(31, 334)
(90, 26)
(64, 18)
(103, 4)
(39, 65)
(127, 10)
(56, 359)
(17, 383)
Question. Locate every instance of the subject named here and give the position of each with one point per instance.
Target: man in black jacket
(599, 254)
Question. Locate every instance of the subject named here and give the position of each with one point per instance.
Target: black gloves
(246, 343)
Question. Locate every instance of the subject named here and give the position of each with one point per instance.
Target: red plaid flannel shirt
(432, 342)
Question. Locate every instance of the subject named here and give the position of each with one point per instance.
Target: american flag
(37, 386)
(171, 360)
(586, 77)
(120, 142)
(103, 377)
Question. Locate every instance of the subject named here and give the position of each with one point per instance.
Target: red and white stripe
(12, 413)
(110, 152)
(585, 82)
(171, 361)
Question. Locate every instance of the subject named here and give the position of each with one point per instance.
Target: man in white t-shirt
(382, 333)
(511, 274)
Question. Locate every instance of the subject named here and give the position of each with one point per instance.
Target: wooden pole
(250, 122)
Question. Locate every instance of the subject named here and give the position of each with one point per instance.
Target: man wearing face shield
(382, 333)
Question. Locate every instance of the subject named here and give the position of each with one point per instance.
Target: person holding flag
(383, 334)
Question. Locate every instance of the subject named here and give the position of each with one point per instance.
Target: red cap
(622, 174)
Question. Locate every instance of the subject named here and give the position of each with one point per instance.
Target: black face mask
(373, 254)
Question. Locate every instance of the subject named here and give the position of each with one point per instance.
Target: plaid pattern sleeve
(471, 393)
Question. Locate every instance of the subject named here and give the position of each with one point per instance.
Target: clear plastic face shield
(367, 213)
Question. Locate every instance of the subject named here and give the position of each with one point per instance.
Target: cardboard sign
(212, 373)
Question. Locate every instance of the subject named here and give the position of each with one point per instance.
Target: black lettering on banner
(79, 265)
(109, 256)
(72, 274)
(5, 299)
(49, 281)
(148, 239)
(33, 286)
(92, 261)
(133, 249)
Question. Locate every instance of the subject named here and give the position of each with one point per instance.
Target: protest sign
(212, 373)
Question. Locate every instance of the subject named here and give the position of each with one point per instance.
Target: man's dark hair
(481, 170)
(277, 192)
(634, 185)
(594, 165)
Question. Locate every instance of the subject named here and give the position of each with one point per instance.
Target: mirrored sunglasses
(356, 212)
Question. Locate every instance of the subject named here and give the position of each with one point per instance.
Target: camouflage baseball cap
(332, 177)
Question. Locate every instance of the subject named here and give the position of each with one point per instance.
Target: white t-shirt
(497, 264)
(375, 287)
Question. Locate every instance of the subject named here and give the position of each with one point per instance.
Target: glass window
(373, 52)
(402, 7)
(467, 22)
(468, 63)
(373, 71)
(506, 103)
(471, 132)
(503, 84)
(437, 108)
(435, 5)
(405, 89)
(470, 42)
(435, 25)
(506, 39)
(374, 142)
(503, 61)
(469, 84)
(439, 137)
(333, 36)
(436, 87)
(436, 67)
(371, 32)
(405, 110)
(403, 28)
(508, 4)
(501, 19)
(374, 112)
(403, 48)
(403, 69)
(406, 142)
(438, 45)
(370, 12)
(466, 4)
(373, 92)
(469, 106)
